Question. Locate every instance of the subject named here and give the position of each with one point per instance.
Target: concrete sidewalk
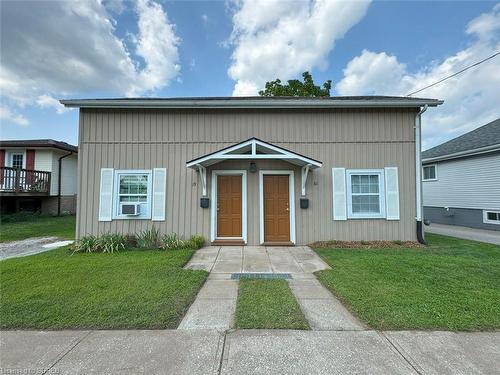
(481, 235)
(249, 351)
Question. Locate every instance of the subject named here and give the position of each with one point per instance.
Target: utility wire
(454, 74)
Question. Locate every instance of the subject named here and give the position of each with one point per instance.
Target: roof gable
(253, 148)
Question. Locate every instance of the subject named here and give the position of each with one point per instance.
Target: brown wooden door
(276, 208)
(229, 218)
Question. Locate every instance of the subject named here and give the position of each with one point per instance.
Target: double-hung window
(365, 193)
(133, 189)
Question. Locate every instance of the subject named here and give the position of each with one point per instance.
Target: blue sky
(112, 49)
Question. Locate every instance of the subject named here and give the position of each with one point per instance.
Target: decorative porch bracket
(203, 177)
(305, 172)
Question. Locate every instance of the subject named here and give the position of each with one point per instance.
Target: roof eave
(462, 154)
(260, 103)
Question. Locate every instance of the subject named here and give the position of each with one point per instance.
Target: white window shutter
(106, 195)
(159, 194)
(392, 193)
(339, 194)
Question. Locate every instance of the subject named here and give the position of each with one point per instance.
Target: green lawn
(129, 289)
(268, 304)
(62, 226)
(452, 284)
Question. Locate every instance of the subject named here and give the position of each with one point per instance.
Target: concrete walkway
(30, 246)
(322, 310)
(215, 304)
(249, 351)
(237, 259)
(481, 235)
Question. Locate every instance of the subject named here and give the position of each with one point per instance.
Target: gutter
(461, 154)
(59, 179)
(418, 175)
(246, 103)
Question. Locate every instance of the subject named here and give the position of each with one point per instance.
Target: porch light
(253, 167)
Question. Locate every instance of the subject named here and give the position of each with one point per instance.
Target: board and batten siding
(465, 183)
(146, 139)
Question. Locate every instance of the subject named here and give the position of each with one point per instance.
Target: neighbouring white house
(461, 179)
(38, 175)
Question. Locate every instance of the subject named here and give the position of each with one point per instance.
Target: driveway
(30, 246)
(481, 235)
(249, 351)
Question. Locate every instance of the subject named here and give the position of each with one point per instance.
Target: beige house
(252, 170)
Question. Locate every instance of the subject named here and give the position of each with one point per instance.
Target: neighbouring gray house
(461, 179)
(252, 170)
(38, 176)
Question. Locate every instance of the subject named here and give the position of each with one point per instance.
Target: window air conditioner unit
(130, 209)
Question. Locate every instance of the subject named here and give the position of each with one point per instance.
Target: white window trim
(435, 172)
(244, 203)
(291, 203)
(9, 155)
(487, 221)
(381, 182)
(116, 195)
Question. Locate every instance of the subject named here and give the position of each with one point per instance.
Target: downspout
(418, 175)
(59, 178)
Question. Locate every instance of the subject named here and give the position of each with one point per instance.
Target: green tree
(295, 87)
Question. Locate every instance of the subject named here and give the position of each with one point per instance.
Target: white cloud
(277, 38)
(47, 101)
(8, 115)
(157, 45)
(204, 18)
(471, 98)
(62, 48)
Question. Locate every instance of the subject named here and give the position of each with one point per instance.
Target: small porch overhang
(251, 150)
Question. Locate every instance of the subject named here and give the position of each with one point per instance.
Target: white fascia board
(258, 103)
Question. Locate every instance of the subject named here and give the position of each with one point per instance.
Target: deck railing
(17, 180)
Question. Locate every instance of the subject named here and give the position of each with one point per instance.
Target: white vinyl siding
(466, 183)
(43, 160)
(69, 175)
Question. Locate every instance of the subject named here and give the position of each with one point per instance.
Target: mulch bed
(364, 244)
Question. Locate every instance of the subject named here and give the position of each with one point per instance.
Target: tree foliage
(295, 87)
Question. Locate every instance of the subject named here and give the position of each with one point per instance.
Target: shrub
(111, 242)
(196, 241)
(173, 241)
(106, 243)
(149, 238)
(87, 244)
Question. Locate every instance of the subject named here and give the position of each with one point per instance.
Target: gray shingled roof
(49, 143)
(484, 136)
